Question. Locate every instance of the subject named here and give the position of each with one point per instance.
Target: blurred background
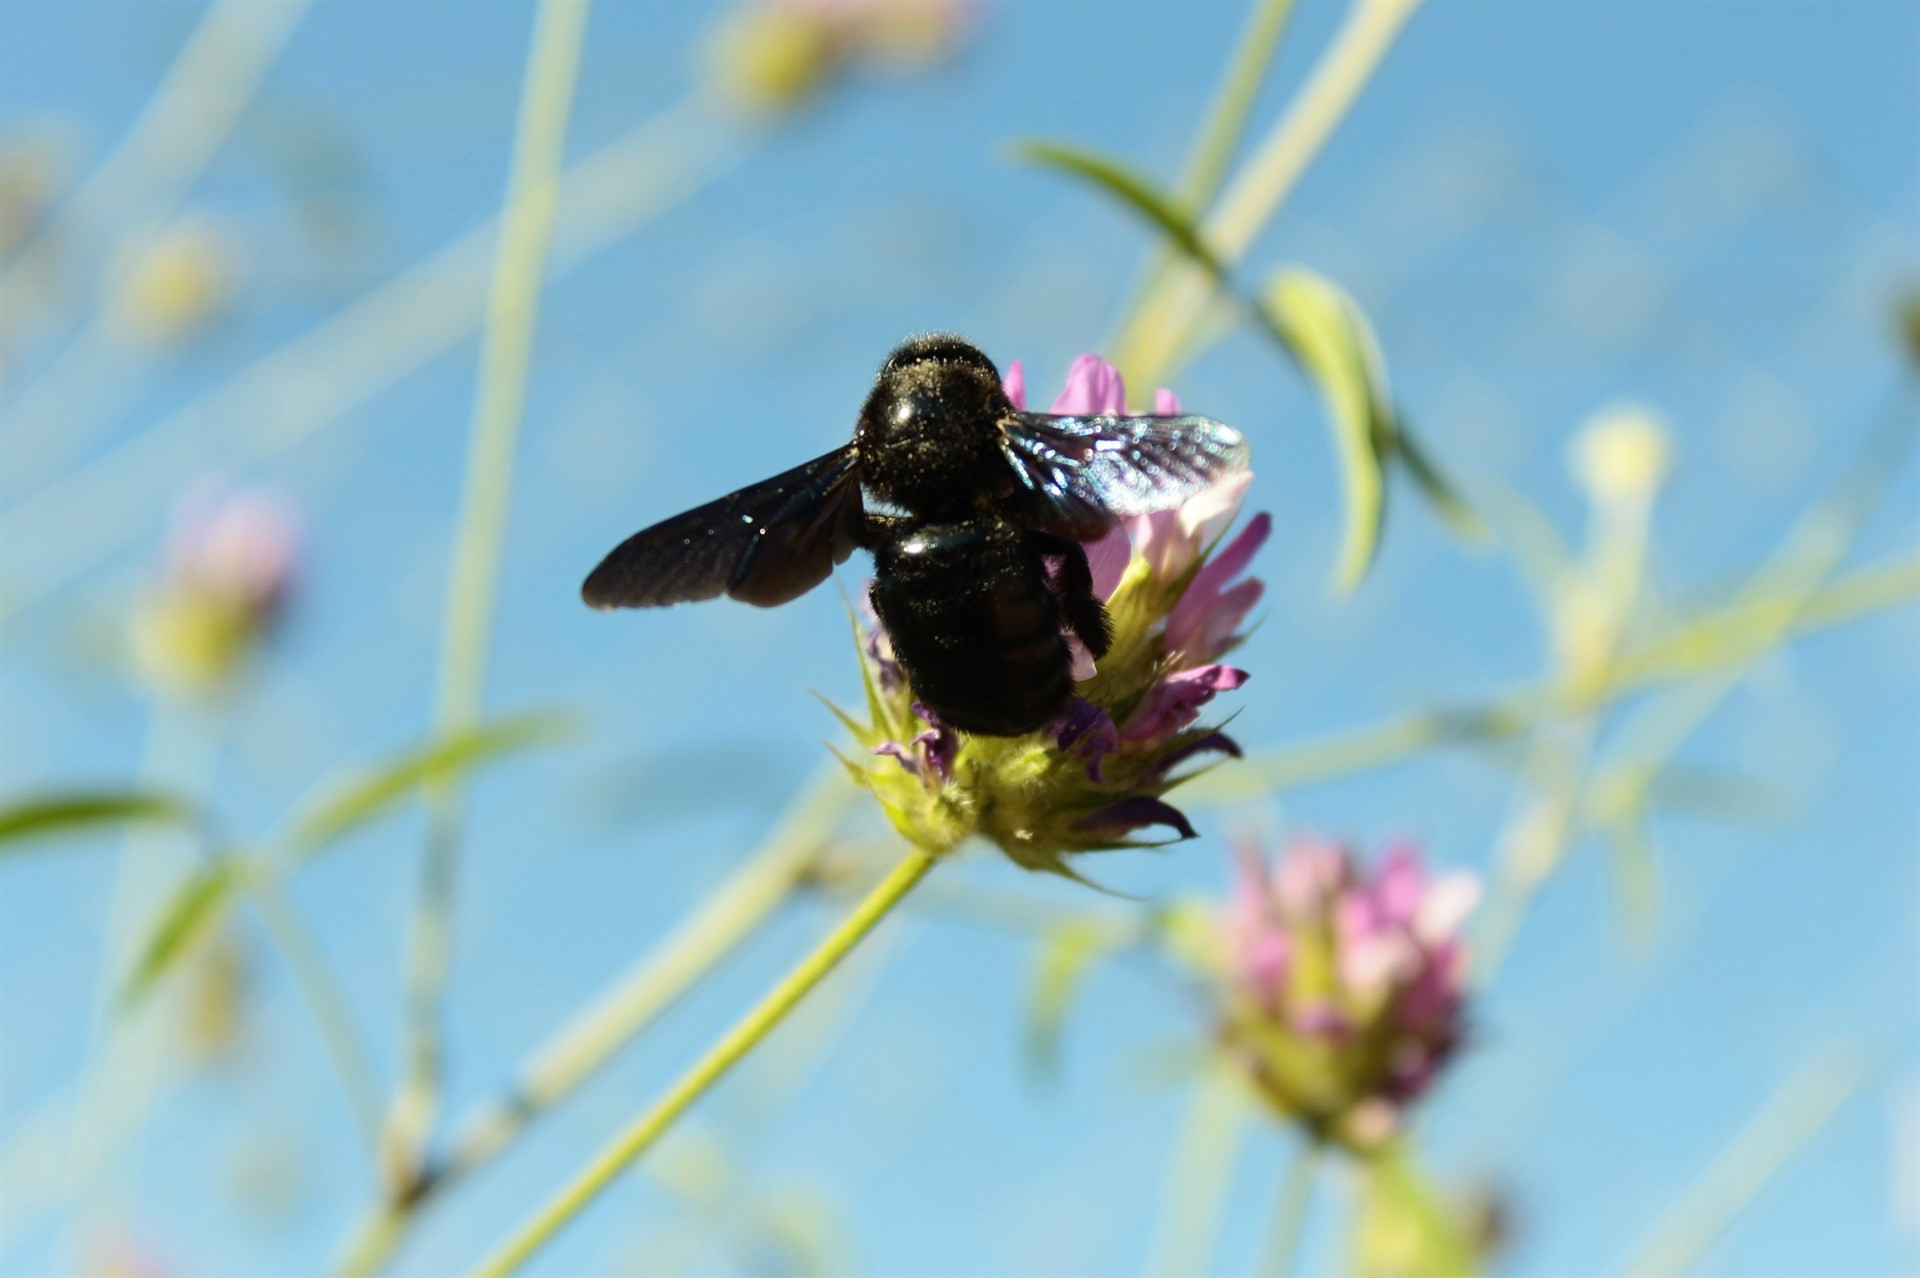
(265, 271)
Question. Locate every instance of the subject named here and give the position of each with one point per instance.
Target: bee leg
(1072, 584)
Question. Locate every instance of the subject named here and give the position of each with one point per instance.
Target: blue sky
(1545, 209)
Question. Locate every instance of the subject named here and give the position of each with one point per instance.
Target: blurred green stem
(1155, 338)
(711, 1068)
(1200, 1177)
(1226, 122)
(169, 145)
(1220, 136)
(288, 395)
(526, 231)
(1290, 1214)
(1721, 639)
(308, 965)
(1773, 603)
(1783, 1129)
(587, 1042)
(181, 756)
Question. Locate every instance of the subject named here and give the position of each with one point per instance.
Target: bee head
(929, 436)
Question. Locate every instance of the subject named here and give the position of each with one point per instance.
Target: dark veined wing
(766, 544)
(1078, 474)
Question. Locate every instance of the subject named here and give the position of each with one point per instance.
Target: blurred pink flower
(242, 545)
(231, 564)
(1345, 990)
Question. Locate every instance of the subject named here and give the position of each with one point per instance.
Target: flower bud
(1343, 990)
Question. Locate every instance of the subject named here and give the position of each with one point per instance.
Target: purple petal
(900, 752)
(1093, 386)
(1193, 618)
(1015, 383)
(939, 747)
(1175, 701)
(1135, 813)
(1087, 729)
(1201, 634)
(1213, 742)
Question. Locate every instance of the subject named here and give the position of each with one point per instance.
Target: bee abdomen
(975, 625)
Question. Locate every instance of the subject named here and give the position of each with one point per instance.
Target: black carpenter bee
(979, 571)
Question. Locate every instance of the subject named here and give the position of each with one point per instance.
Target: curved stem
(308, 966)
(1200, 1178)
(1153, 340)
(526, 234)
(711, 1068)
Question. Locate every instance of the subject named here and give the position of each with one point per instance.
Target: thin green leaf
(189, 918)
(78, 811)
(364, 798)
(1330, 338)
(1135, 191)
(1067, 954)
(855, 729)
(879, 720)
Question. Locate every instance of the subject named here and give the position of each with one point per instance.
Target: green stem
(1282, 1255)
(1200, 1177)
(1153, 341)
(1783, 1130)
(113, 1093)
(308, 965)
(711, 1068)
(526, 232)
(590, 1039)
(138, 185)
(1722, 639)
(290, 394)
(1220, 135)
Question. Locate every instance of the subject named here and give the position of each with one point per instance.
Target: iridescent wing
(1079, 474)
(766, 544)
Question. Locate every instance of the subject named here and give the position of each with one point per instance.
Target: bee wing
(1077, 475)
(768, 543)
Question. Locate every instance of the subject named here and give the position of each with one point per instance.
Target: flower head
(231, 562)
(1344, 989)
(1095, 778)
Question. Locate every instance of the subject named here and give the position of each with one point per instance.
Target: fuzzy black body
(975, 622)
(964, 592)
(979, 572)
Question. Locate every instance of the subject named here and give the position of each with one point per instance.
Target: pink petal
(1093, 386)
(1165, 404)
(1107, 558)
(1445, 908)
(1203, 635)
(1015, 383)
